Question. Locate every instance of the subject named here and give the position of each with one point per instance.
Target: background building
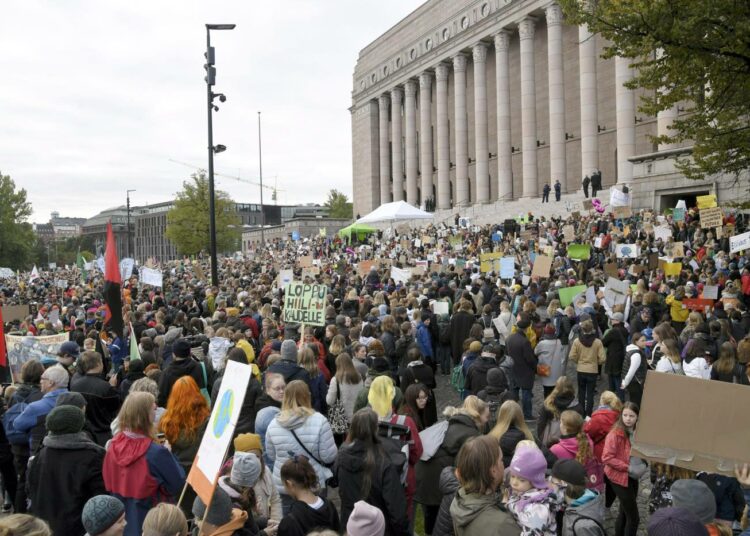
(96, 229)
(150, 226)
(481, 102)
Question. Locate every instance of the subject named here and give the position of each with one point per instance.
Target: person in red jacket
(616, 459)
(746, 286)
(602, 420)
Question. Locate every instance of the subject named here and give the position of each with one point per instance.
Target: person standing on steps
(596, 182)
(558, 190)
(545, 193)
(585, 183)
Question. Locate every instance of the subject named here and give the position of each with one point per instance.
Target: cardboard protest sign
(616, 291)
(580, 252)
(711, 292)
(489, 262)
(622, 212)
(285, 277)
(440, 308)
(588, 204)
(636, 269)
(611, 269)
(149, 276)
(711, 217)
(598, 242)
(678, 250)
(7, 273)
(310, 272)
(626, 251)
(502, 329)
(663, 232)
(22, 348)
(204, 472)
(12, 313)
(653, 261)
(672, 268)
(542, 266)
(569, 233)
(363, 267)
(697, 304)
(713, 439)
(678, 214)
(305, 262)
(400, 275)
(706, 201)
(126, 268)
(305, 304)
(507, 267)
(739, 242)
(567, 294)
(618, 198)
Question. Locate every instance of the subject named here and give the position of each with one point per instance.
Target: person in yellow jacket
(677, 310)
(530, 334)
(242, 343)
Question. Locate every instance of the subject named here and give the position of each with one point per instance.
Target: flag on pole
(81, 263)
(3, 352)
(135, 354)
(112, 282)
(34, 275)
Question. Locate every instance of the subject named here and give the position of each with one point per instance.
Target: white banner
(618, 198)
(151, 277)
(24, 348)
(739, 242)
(126, 268)
(100, 264)
(399, 275)
(626, 251)
(7, 273)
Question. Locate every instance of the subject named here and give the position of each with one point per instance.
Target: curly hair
(186, 411)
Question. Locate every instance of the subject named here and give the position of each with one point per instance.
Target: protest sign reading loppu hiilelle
(305, 304)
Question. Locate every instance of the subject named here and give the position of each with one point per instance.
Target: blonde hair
(297, 401)
(510, 413)
(306, 360)
(472, 407)
(165, 520)
(135, 414)
(23, 525)
(608, 398)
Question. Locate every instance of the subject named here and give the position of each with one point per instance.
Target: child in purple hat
(531, 500)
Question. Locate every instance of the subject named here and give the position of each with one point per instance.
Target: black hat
(181, 348)
(570, 471)
(65, 420)
(380, 364)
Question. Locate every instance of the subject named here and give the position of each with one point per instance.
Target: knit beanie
(101, 512)
(570, 471)
(366, 520)
(696, 497)
(71, 399)
(675, 522)
(475, 347)
(245, 469)
(529, 464)
(289, 351)
(496, 378)
(380, 364)
(220, 512)
(65, 420)
(181, 348)
(381, 395)
(247, 443)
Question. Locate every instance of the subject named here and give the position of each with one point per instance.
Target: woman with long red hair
(183, 425)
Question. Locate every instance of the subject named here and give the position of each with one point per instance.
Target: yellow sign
(706, 201)
(489, 262)
(672, 268)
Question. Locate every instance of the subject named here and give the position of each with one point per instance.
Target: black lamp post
(210, 96)
(127, 194)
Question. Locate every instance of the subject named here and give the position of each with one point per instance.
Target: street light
(210, 95)
(127, 194)
(260, 173)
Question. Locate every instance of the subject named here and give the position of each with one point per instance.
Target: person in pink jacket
(616, 458)
(574, 444)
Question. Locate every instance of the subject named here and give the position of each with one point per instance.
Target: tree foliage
(338, 205)
(16, 234)
(702, 66)
(188, 221)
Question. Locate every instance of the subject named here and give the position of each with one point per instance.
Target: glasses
(423, 397)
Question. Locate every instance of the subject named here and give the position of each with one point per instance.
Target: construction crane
(274, 189)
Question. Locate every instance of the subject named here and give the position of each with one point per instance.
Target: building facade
(96, 228)
(471, 102)
(150, 226)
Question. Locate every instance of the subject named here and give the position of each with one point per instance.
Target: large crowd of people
(339, 431)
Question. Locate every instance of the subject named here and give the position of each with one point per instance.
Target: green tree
(338, 205)
(17, 237)
(703, 65)
(188, 221)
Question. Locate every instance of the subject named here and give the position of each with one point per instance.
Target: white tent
(396, 211)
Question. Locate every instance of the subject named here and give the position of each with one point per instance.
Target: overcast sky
(96, 97)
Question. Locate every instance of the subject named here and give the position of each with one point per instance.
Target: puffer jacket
(567, 449)
(313, 432)
(448, 487)
(616, 456)
(581, 516)
(481, 514)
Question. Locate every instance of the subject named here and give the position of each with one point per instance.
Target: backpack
(444, 331)
(395, 438)
(15, 437)
(431, 438)
(586, 518)
(457, 378)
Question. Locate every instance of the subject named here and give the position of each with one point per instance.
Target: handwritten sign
(542, 266)
(711, 217)
(706, 201)
(489, 262)
(305, 304)
(739, 242)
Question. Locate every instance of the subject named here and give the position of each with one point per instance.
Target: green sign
(305, 304)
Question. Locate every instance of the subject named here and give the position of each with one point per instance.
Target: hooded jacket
(102, 404)
(290, 370)
(141, 473)
(598, 427)
(303, 518)
(476, 377)
(615, 340)
(448, 487)
(587, 352)
(521, 350)
(386, 491)
(481, 514)
(176, 369)
(567, 449)
(313, 431)
(581, 516)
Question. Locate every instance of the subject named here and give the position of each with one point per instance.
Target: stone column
(589, 106)
(557, 157)
(398, 156)
(443, 137)
(425, 135)
(482, 167)
(625, 104)
(665, 118)
(462, 132)
(502, 75)
(384, 102)
(528, 107)
(412, 158)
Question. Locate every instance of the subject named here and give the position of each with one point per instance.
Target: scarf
(77, 441)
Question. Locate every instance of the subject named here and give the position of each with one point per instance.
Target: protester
(54, 381)
(583, 511)
(307, 510)
(587, 352)
(575, 444)
(510, 429)
(102, 400)
(165, 520)
(531, 502)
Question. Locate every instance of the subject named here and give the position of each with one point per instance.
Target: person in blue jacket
(424, 339)
(54, 382)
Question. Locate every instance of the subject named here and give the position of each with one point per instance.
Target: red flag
(3, 352)
(112, 281)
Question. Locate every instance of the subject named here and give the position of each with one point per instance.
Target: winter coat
(615, 340)
(737, 375)
(313, 431)
(550, 352)
(290, 370)
(185, 448)
(302, 519)
(318, 393)
(548, 424)
(524, 361)
(32, 419)
(176, 369)
(581, 516)
(508, 442)
(63, 475)
(389, 344)
(677, 311)
(386, 491)
(448, 487)
(534, 508)
(476, 378)
(424, 342)
(587, 352)
(616, 456)
(598, 427)
(141, 473)
(481, 514)
(246, 420)
(567, 449)
(461, 324)
(460, 428)
(102, 405)
(348, 395)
